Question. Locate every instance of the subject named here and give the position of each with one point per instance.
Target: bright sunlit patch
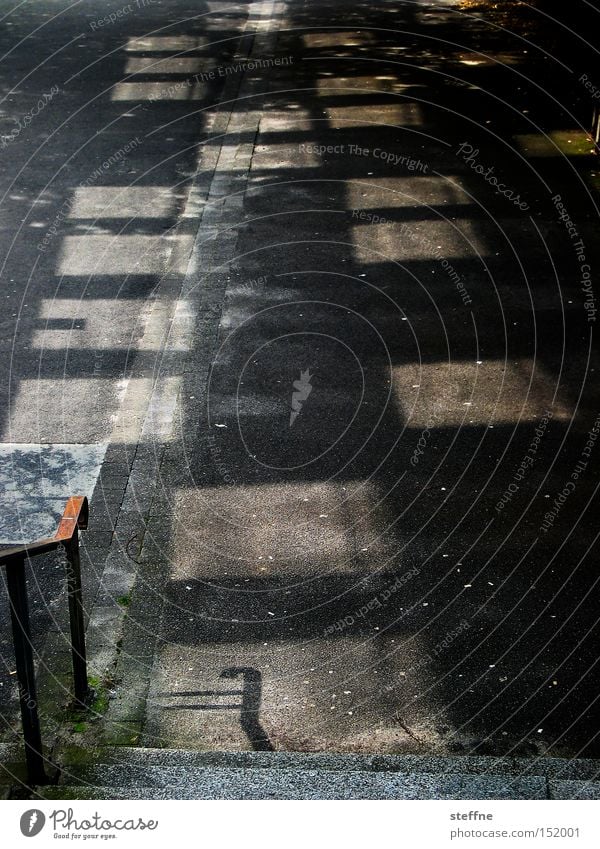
(558, 143)
(414, 240)
(345, 38)
(406, 191)
(112, 324)
(123, 202)
(475, 394)
(275, 529)
(490, 59)
(136, 254)
(340, 84)
(392, 114)
(166, 65)
(159, 90)
(164, 43)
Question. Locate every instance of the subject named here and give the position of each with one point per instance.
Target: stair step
(574, 790)
(220, 783)
(8, 752)
(133, 760)
(12, 772)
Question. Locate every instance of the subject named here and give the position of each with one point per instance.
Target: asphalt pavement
(347, 380)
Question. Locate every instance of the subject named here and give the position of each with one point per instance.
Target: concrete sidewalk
(352, 545)
(102, 187)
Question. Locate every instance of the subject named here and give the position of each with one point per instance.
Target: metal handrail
(74, 519)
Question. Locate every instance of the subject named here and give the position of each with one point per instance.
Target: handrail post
(19, 611)
(76, 618)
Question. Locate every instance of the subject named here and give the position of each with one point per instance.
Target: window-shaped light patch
(270, 529)
(398, 114)
(100, 324)
(159, 90)
(339, 38)
(62, 409)
(123, 202)
(558, 143)
(377, 240)
(165, 43)
(382, 82)
(167, 65)
(468, 394)
(88, 324)
(135, 254)
(375, 194)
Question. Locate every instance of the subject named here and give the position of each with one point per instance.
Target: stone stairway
(138, 773)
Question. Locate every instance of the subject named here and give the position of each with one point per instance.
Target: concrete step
(219, 783)
(8, 752)
(574, 790)
(12, 765)
(139, 773)
(128, 764)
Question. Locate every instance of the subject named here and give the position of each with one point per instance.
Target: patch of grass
(124, 600)
(98, 705)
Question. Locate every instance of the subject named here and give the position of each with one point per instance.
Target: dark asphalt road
(451, 369)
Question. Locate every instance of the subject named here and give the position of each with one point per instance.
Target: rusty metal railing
(74, 519)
